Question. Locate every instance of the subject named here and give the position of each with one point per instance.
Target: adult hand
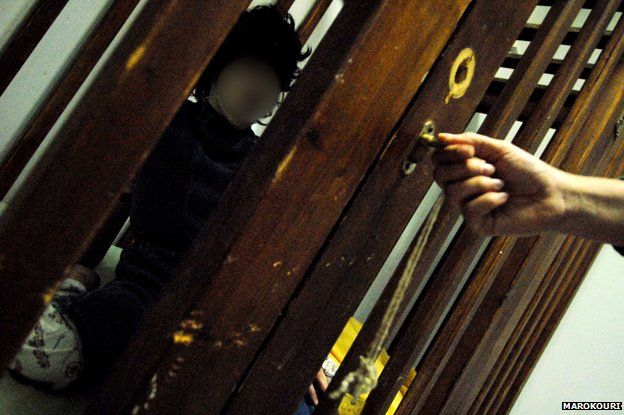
(499, 188)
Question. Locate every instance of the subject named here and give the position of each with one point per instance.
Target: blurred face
(246, 90)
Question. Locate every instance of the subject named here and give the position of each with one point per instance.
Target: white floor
(19, 399)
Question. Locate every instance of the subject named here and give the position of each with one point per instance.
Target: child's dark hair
(265, 33)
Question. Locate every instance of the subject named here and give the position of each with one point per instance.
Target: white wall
(584, 360)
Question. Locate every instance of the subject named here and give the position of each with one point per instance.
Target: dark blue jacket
(173, 194)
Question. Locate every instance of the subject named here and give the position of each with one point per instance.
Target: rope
(364, 379)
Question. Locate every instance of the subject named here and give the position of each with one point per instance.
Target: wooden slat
(289, 193)
(26, 37)
(563, 82)
(312, 19)
(103, 141)
(285, 4)
(422, 323)
(442, 366)
(382, 224)
(331, 294)
(531, 67)
(585, 254)
(589, 4)
(611, 102)
(62, 92)
(529, 31)
(576, 253)
(511, 61)
(497, 85)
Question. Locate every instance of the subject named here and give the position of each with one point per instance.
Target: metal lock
(426, 137)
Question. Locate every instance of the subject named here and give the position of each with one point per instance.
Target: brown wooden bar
(497, 86)
(312, 19)
(26, 37)
(491, 264)
(511, 61)
(611, 102)
(285, 4)
(530, 30)
(589, 4)
(283, 211)
(413, 338)
(66, 87)
(564, 80)
(530, 68)
(380, 209)
(564, 261)
(107, 129)
(433, 304)
(585, 255)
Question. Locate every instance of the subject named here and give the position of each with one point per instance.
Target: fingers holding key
(452, 172)
(458, 193)
(453, 153)
(479, 212)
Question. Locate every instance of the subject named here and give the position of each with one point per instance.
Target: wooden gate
(313, 215)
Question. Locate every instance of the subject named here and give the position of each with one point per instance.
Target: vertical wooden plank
(467, 244)
(62, 92)
(285, 4)
(312, 19)
(370, 227)
(577, 256)
(26, 37)
(532, 65)
(606, 112)
(98, 149)
(102, 242)
(570, 70)
(289, 194)
(423, 321)
(494, 265)
(325, 310)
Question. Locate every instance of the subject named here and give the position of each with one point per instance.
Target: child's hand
(320, 382)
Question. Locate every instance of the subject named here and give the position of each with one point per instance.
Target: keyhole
(462, 72)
